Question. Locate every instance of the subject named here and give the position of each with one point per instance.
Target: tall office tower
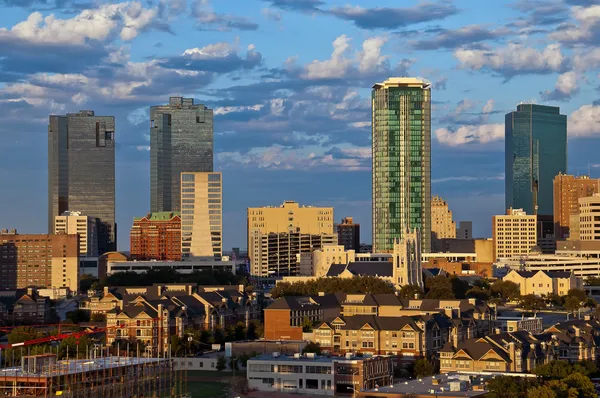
(73, 222)
(535, 153)
(181, 140)
(464, 230)
(201, 215)
(38, 260)
(81, 171)
(156, 236)
(567, 191)
(589, 217)
(407, 259)
(442, 225)
(289, 217)
(514, 234)
(349, 234)
(401, 128)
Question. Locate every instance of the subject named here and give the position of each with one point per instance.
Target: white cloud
(489, 106)
(481, 134)
(587, 23)
(101, 24)
(584, 122)
(464, 105)
(336, 66)
(513, 59)
(271, 14)
(217, 50)
(143, 148)
(566, 86)
(370, 58)
(588, 59)
(277, 106)
(468, 178)
(224, 110)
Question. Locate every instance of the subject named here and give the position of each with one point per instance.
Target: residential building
(464, 230)
(544, 283)
(40, 260)
(201, 215)
(535, 153)
(73, 222)
(318, 375)
(31, 309)
(349, 234)
(290, 218)
(401, 146)
(514, 234)
(279, 254)
(568, 189)
(589, 218)
(574, 227)
(182, 267)
(442, 225)
(532, 325)
(156, 236)
(181, 140)
(81, 171)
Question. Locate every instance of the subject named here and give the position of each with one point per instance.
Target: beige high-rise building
(73, 222)
(289, 217)
(568, 190)
(589, 217)
(201, 215)
(514, 234)
(442, 225)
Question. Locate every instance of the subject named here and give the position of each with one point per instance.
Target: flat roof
(403, 82)
(423, 386)
(317, 358)
(75, 366)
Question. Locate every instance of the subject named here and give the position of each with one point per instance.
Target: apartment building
(349, 234)
(589, 218)
(74, 222)
(544, 282)
(514, 234)
(568, 189)
(156, 236)
(38, 260)
(442, 224)
(514, 324)
(318, 375)
(31, 308)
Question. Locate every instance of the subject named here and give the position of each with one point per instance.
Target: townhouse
(544, 282)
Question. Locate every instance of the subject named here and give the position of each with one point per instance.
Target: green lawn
(207, 389)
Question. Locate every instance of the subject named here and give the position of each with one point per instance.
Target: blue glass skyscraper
(536, 152)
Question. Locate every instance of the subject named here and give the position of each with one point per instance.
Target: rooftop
(425, 386)
(316, 358)
(403, 82)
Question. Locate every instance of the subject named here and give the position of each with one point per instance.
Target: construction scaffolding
(99, 377)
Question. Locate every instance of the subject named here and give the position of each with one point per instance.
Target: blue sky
(289, 81)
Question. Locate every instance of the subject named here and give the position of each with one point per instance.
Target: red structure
(157, 236)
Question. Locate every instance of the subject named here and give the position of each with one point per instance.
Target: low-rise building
(156, 236)
(183, 267)
(514, 324)
(316, 375)
(544, 282)
(31, 309)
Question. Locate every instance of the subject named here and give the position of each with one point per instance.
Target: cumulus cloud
(271, 14)
(513, 60)
(585, 29)
(453, 38)
(392, 18)
(584, 122)
(208, 19)
(297, 5)
(489, 106)
(480, 134)
(566, 86)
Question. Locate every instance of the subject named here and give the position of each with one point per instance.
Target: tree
(506, 290)
(410, 292)
(221, 363)
(307, 325)
(439, 287)
(572, 304)
(234, 363)
(580, 294)
(229, 333)
(554, 370)
(86, 282)
(312, 347)
(206, 337)
(74, 348)
(240, 331)
(218, 335)
(98, 318)
(459, 287)
(176, 346)
(478, 293)
(541, 392)
(423, 368)
(592, 281)
(531, 302)
(582, 384)
(78, 316)
(507, 387)
(255, 330)
(554, 299)
(357, 284)
(22, 333)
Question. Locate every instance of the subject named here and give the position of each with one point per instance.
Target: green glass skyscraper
(401, 128)
(536, 152)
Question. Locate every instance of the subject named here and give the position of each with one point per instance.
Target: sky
(289, 82)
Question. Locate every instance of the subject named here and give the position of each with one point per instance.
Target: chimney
(105, 290)
(472, 301)
(321, 294)
(30, 291)
(159, 290)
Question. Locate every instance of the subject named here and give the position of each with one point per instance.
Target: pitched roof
(292, 303)
(336, 270)
(371, 268)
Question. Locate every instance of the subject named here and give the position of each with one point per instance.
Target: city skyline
(292, 111)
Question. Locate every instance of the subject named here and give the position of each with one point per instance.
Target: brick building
(156, 236)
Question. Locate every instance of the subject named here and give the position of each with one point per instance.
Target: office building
(401, 129)
(156, 236)
(442, 225)
(181, 139)
(567, 191)
(183, 267)
(81, 171)
(38, 260)
(279, 254)
(201, 215)
(73, 222)
(514, 234)
(535, 153)
(288, 217)
(589, 218)
(349, 234)
(464, 230)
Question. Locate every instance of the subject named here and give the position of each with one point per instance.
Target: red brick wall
(277, 326)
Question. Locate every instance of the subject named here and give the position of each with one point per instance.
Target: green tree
(357, 284)
(531, 302)
(410, 292)
(555, 300)
(506, 290)
(592, 281)
(478, 293)
(221, 363)
(554, 370)
(459, 287)
(78, 316)
(307, 325)
(582, 384)
(312, 347)
(176, 346)
(229, 333)
(86, 282)
(22, 333)
(72, 347)
(572, 304)
(218, 335)
(255, 330)
(240, 331)
(423, 368)
(98, 318)
(507, 387)
(580, 294)
(206, 337)
(587, 368)
(541, 392)
(439, 287)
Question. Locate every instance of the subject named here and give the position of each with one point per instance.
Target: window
(312, 384)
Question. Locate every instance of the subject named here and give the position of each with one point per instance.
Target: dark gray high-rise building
(81, 171)
(536, 152)
(181, 140)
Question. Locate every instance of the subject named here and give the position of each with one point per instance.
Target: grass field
(207, 389)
